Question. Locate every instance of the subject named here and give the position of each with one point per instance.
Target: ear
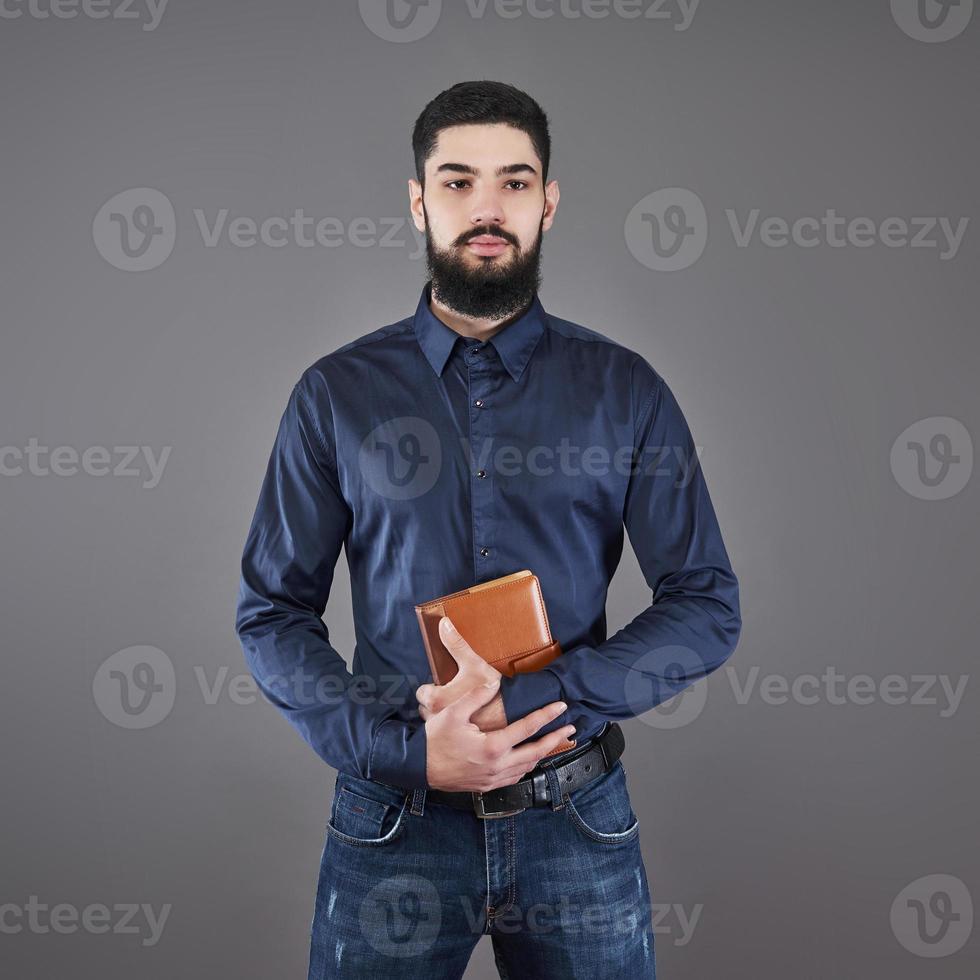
(551, 196)
(415, 203)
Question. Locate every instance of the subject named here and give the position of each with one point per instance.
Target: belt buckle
(481, 810)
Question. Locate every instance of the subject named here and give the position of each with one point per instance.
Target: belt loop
(418, 802)
(554, 786)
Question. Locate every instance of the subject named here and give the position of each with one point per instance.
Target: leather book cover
(504, 620)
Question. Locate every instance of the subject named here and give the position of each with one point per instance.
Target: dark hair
(480, 102)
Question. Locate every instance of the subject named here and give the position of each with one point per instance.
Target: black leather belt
(578, 768)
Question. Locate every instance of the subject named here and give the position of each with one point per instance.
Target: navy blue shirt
(438, 462)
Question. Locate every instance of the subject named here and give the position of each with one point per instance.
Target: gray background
(792, 827)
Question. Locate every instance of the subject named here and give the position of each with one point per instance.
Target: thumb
(455, 643)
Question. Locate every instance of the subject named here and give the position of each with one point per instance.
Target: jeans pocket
(366, 813)
(601, 810)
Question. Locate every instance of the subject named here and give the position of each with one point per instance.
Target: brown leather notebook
(503, 620)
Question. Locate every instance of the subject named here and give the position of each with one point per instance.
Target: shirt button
(484, 552)
(479, 403)
(481, 473)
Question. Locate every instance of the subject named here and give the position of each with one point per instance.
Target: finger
(529, 755)
(422, 693)
(512, 776)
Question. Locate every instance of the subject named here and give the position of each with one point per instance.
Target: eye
(518, 182)
(460, 181)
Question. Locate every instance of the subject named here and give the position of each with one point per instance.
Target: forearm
(671, 644)
(299, 671)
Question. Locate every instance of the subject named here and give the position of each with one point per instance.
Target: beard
(491, 289)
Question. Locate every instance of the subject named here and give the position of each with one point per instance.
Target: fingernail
(561, 707)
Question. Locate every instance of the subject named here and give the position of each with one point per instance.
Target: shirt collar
(514, 343)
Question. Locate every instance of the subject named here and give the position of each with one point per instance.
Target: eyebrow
(465, 168)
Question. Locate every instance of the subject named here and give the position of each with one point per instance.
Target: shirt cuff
(524, 693)
(398, 755)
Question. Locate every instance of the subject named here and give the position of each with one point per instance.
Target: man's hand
(473, 671)
(461, 757)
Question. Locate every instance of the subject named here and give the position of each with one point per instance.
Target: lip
(487, 245)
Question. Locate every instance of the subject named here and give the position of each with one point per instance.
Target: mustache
(487, 231)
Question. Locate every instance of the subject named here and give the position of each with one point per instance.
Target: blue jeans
(407, 886)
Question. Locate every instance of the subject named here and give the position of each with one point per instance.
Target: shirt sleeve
(693, 621)
(299, 526)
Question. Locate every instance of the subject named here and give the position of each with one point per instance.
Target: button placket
(481, 448)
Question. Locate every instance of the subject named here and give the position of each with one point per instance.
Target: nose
(487, 209)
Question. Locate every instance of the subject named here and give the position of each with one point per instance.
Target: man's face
(484, 212)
